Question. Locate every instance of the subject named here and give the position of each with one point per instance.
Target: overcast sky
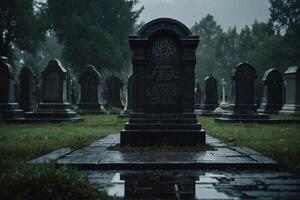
(226, 12)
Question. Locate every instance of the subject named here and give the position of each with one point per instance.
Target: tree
(209, 31)
(95, 31)
(22, 25)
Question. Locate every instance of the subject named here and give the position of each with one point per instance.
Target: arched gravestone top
(27, 70)
(6, 68)
(55, 66)
(272, 76)
(166, 24)
(91, 71)
(238, 70)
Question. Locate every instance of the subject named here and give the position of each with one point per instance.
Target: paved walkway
(219, 172)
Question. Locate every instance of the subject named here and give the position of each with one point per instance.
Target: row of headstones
(243, 77)
(54, 92)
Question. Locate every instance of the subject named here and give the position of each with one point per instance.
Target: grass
(22, 142)
(280, 142)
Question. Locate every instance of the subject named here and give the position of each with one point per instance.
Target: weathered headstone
(243, 103)
(210, 94)
(89, 81)
(9, 108)
(292, 91)
(197, 96)
(54, 105)
(164, 85)
(129, 99)
(27, 86)
(272, 92)
(114, 87)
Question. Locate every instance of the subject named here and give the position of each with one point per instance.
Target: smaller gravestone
(114, 86)
(129, 102)
(243, 104)
(292, 91)
(210, 97)
(272, 92)
(89, 81)
(54, 105)
(197, 96)
(27, 86)
(9, 108)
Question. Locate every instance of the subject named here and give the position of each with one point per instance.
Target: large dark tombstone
(242, 103)
(27, 86)
(272, 92)
(292, 91)
(54, 105)
(164, 85)
(89, 81)
(114, 87)
(197, 96)
(9, 108)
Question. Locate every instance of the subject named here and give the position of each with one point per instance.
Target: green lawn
(20, 143)
(278, 141)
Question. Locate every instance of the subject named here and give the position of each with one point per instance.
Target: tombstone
(54, 105)
(210, 94)
(292, 91)
(224, 104)
(129, 102)
(197, 96)
(89, 81)
(73, 92)
(9, 108)
(272, 92)
(242, 104)
(27, 86)
(164, 85)
(114, 87)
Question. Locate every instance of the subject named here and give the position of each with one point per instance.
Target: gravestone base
(269, 109)
(290, 109)
(10, 111)
(90, 108)
(124, 114)
(208, 113)
(244, 117)
(52, 112)
(162, 130)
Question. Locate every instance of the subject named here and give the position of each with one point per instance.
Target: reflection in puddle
(164, 185)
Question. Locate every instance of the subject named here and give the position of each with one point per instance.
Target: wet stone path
(219, 172)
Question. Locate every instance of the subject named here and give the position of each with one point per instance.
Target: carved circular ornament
(164, 50)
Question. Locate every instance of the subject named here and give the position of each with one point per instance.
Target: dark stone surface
(54, 105)
(164, 85)
(292, 91)
(196, 184)
(243, 105)
(27, 86)
(210, 94)
(89, 81)
(114, 86)
(100, 155)
(9, 108)
(198, 99)
(272, 95)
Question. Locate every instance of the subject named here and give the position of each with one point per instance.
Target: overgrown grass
(22, 142)
(281, 142)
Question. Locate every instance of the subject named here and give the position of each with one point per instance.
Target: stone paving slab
(99, 156)
(196, 184)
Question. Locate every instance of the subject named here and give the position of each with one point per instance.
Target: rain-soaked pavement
(219, 172)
